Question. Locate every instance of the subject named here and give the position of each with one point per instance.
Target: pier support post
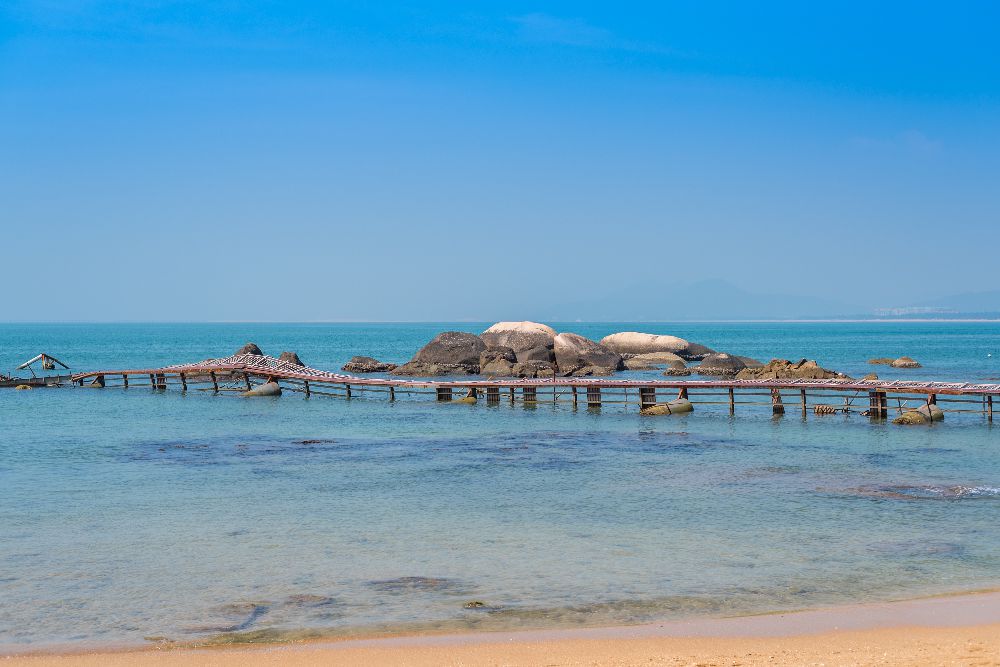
(246, 379)
(215, 381)
(647, 397)
(593, 397)
(878, 405)
(732, 402)
(989, 409)
(125, 380)
(574, 397)
(98, 381)
(443, 393)
(493, 394)
(152, 381)
(529, 395)
(392, 393)
(348, 388)
(512, 395)
(777, 407)
(305, 385)
(184, 384)
(803, 393)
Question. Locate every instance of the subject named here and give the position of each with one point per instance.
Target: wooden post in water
(528, 395)
(777, 407)
(305, 385)
(184, 384)
(443, 393)
(125, 380)
(493, 394)
(98, 381)
(215, 381)
(593, 397)
(732, 402)
(246, 378)
(574, 396)
(348, 388)
(683, 393)
(803, 392)
(647, 397)
(512, 395)
(989, 409)
(878, 405)
(392, 393)
(152, 380)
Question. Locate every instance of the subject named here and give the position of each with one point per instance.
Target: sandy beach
(952, 630)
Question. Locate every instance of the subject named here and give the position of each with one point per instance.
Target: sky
(384, 161)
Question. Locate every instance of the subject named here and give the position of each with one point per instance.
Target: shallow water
(128, 513)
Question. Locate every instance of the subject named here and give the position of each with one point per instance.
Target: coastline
(947, 629)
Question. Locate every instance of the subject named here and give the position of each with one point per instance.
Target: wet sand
(953, 630)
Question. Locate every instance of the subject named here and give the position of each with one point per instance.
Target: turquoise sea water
(127, 514)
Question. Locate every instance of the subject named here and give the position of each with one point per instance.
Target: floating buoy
(673, 407)
(266, 389)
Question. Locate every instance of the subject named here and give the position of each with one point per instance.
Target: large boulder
(925, 414)
(653, 361)
(540, 353)
(533, 369)
(291, 358)
(367, 365)
(783, 369)
(249, 348)
(497, 361)
(519, 336)
(634, 342)
(720, 363)
(448, 353)
(576, 354)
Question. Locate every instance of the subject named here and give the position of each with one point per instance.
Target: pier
(877, 399)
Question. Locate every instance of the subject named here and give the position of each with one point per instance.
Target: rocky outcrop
(905, 362)
(249, 348)
(448, 353)
(497, 361)
(677, 372)
(576, 355)
(519, 336)
(720, 363)
(881, 361)
(653, 361)
(366, 365)
(750, 362)
(676, 406)
(783, 369)
(534, 369)
(634, 342)
(291, 358)
(541, 353)
(266, 389)
(695, 352)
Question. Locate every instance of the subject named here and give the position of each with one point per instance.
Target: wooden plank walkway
(246, 371)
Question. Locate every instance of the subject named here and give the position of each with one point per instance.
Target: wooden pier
(874, 398)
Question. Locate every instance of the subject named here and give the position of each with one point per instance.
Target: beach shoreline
(916, 631)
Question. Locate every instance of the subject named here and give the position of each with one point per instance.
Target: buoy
(266, 389)
(673, 407)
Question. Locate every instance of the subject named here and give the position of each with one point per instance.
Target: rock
(497, 361)
(695, 352)
(783, 369)
(249, 348)
(575, 353)
(870, 376)
(676, 372)
(673, 407)
(653, 360)
(541, 353)
(587, 371)
(291, 358)
(266, 389)
(720, 363)
(448, 353)
(905, 362)
(519, 336)
(633, 342)
(750, 362)
(533, 369)
(367, 365)
(925, 414)
(881, 361)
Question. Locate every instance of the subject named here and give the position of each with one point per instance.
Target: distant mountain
(967, 302)
(705, 300)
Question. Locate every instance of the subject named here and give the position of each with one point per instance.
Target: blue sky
(434, 161)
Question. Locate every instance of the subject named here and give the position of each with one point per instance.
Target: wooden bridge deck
(246, 370)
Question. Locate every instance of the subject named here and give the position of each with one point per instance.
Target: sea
(131, 517)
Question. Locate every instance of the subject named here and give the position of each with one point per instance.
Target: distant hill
(968, 302)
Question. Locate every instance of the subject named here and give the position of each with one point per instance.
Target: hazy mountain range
(721, 300)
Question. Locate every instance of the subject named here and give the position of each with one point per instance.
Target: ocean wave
(924, 492)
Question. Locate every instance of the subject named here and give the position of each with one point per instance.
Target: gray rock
(534, 369)
(574, 353)
(720, 363)
(448, 353)
(419, 369)
(249, 348)
(519, 336)
(497, 362)
(541, 353)
(695, 352)
(366, 365)
(291, 358)
(905, 362)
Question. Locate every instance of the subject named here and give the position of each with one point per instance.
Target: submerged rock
(905, 362)
(366, 365)
(925, 414)
(881, 361)
(266, 389)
